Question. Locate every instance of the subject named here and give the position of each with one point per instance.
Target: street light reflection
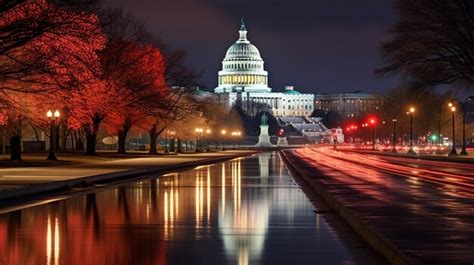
(52, 242)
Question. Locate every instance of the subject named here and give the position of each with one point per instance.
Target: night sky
(319, 46)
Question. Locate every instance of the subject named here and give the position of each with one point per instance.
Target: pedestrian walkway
(35, 170)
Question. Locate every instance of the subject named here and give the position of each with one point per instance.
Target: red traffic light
(281, 132)
(372, 120)
(351, 127)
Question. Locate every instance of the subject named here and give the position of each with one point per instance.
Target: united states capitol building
(243, 80)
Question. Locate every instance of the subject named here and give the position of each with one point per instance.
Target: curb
(392, 253)
(460, 159)
(35, 189)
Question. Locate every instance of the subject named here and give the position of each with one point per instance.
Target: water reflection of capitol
(243, 211)
(243, 226)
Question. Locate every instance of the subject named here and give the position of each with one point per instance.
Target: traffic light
(281, 132)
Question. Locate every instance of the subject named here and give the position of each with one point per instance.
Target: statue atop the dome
(242, 24)
(264, 119)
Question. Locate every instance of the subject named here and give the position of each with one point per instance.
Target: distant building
(244, 81)
(348, 104)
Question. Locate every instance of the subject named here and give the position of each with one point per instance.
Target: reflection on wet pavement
(244, 211)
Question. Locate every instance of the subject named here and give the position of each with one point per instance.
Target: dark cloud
(318, 46)
(307, 14)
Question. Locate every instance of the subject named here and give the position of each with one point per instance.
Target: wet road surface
(244, 211)
(423, 207)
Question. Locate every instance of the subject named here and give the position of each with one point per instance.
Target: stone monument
(264, 138)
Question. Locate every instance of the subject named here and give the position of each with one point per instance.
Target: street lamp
(453, 149)
(52, 117)
(464, 150)
(348, 130)
(373, 122)
(238, 135)
(208, 132)
(172, 141)
(234, 135)
(394, 137)
(166, 143)
(364, 125)
(351, 131)
(223, 133)
(198, 140)
(410, 112)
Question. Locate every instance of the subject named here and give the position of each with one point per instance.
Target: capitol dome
(242, 50)
(242, 68)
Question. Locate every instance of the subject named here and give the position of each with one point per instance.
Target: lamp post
(351, 132)
(167, 150)
(364, 125)
(223, 133)
(52, 117)
(464, 150)
(411, 151)
(453, 148)
(373, 122)
(234, 135)
(348, 130)
(172, 141)
(208, 132)
(238, 135)
(394, 136)
(198, 141)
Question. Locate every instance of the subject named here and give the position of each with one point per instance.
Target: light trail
(450, 176)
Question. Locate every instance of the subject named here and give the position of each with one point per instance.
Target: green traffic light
(434, 137)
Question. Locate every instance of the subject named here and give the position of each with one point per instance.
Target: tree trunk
(91, 144)
(91, 133)
(153, 136)
(79, 144)
(172, 145)
(64, 136)
(36, 134)
(15, 145)
(122, 137)
(179, 147)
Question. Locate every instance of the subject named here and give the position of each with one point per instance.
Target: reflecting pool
(244, 211)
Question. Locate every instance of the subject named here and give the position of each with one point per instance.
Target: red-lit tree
(44, 48)
(88, 108)
(141, 89)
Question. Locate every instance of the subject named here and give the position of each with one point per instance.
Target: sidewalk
(38, 175)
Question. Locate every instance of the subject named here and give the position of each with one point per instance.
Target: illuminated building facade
(348, 104)
(243, 80)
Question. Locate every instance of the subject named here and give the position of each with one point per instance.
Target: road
(456, 177)
(424, 207)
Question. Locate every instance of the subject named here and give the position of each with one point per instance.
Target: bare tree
(432, 44)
